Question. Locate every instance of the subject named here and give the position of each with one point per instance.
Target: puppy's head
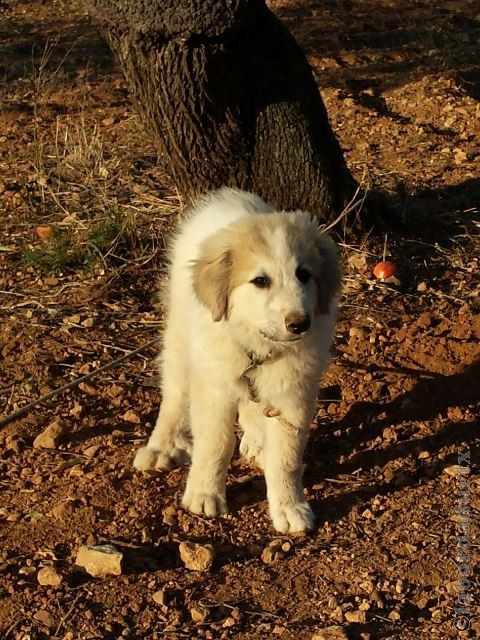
(270, 275)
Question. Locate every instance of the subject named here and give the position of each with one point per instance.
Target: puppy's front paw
(292, 518)
(165, 457)
(210, 504)
(148, 459)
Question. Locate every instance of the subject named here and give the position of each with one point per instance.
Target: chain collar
(253, 363)
(269, 412)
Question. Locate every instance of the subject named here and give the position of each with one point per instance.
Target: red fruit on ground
(385, 269)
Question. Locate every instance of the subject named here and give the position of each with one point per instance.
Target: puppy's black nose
(297, 324)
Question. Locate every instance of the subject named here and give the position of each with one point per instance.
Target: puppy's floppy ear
(329, 276)
(211, 280)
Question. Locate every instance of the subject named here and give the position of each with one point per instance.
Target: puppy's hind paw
(209, 504)
(251, 451)
(148, 459)
(292, 518)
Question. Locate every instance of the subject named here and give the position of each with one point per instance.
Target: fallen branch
(376, 368)
(70, 385)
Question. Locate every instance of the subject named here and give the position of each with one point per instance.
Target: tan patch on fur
(318, 253)
(224, 261)
(227, 258)
(211, 279)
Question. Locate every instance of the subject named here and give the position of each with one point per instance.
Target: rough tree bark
(229, 98)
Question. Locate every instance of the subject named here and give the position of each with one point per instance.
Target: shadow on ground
(382, 45)
(366, 422)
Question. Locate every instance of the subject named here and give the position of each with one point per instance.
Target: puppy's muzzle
(297, 324)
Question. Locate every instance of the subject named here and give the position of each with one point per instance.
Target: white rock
(100, 560)
(196, 557)
(49, 576)
(355, 616)
(50, 437)
(199, 613)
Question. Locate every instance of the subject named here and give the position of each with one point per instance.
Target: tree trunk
(229, 99)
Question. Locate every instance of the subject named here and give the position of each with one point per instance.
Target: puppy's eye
(303, 275)
(262, 282)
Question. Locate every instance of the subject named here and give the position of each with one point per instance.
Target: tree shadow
(417, 209)
(59, 50)
(453, 209)
(381, 46)
(366, 422)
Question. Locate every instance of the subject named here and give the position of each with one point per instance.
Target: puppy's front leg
(283, 467)
(212, 417)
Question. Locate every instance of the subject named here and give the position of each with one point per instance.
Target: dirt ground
(400, 401)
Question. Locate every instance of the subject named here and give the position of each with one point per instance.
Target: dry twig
(16, 414)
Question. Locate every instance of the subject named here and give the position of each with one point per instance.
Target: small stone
(133, 513)
(422, 602)
(100, 560)
(355, 616)
(453, 587)
(76, 411)
(132, 417)
(228, 622)
(13, 443)
(331, 633)
(44, 617)
(394, 616)
(459, 156)
(13, 516)
(49, 576)
(456, 470)
(196, 557)
(170, 516)
(338, 615)
(199, 613)
(87, 388)
(115, 390)
(90, 452)
(437, 615)
(63, 510)
(389, 475)
(160, 597)
(424, 455)
(50, 437)
(271, 554)
(422, 287)
(425, 320)
(357, 332)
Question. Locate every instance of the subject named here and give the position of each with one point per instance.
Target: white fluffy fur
(204, 356)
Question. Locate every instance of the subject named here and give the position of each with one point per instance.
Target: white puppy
(250, 316)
